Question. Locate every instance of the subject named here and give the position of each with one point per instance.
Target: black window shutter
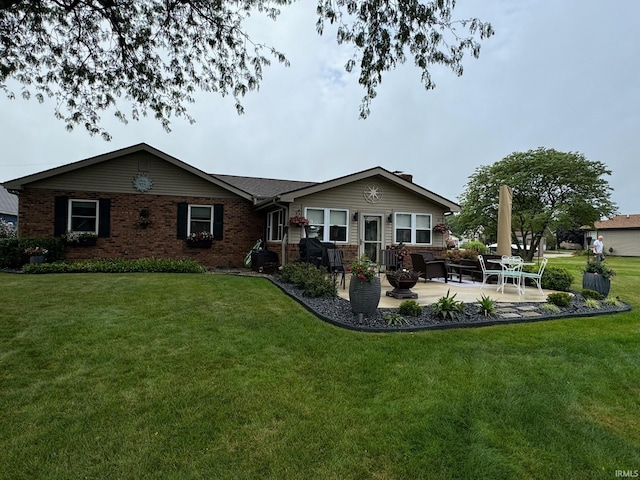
(218, 217)
(60, 216)
(104, 209)
(182, 220)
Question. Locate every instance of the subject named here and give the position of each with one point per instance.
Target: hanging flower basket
(298, 221)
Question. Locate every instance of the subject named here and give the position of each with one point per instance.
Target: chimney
(405, 176)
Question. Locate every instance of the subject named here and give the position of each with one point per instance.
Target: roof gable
(619, 222)
(18, 184)
(292, 195)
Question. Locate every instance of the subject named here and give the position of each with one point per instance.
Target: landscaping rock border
(337, 311)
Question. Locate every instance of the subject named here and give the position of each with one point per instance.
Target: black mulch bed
(337, 311)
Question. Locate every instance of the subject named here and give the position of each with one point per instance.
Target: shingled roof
(8, 202)
(619, 222)
(262, 188)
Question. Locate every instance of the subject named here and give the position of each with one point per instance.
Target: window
(412, 228)
(275, 224)
(328, 225)
(83, 216)
(200, 219)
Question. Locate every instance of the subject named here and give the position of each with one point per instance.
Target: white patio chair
(536, 277)
(486, 273)
(511, 270)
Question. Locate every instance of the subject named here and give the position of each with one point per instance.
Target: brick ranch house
(142, 202)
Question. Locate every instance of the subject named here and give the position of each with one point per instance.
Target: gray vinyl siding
(351, 197)
(625, 242)
(117, 175)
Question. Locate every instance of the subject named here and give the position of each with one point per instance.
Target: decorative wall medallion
(142, 182)
(373, 193)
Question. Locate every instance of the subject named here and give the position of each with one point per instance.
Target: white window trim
(327, 226)
(279, 229)
(70, 214)
(413, 227)
(189, 217)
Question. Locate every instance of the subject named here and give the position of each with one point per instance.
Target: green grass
(214, 376)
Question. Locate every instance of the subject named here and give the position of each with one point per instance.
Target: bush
(587, 293)
(456, 255)
(12, 250)
(7, 230)
(314, 281)
(476, 245)
(561, 299)
(410, 308)
(118, 265)
(550, 308)
(556, 278)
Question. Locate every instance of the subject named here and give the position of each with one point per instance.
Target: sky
(556, 74)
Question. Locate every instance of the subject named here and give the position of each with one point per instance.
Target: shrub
(14, 256)
(476, 245)
(314, 281)
(561, 299)
(394, 318)
(587, 293)
(8, 230)
(599, 267)
(448, 306)
(410, 308)
(119, 265)
(487, 306)
(457, 255)
(556, 278)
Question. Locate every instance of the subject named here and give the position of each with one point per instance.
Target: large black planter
(594, 281)
(364, 296)
(402, 284)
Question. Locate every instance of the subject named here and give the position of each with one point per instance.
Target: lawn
(223, 377)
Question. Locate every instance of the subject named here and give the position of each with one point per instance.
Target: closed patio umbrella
(504, 221)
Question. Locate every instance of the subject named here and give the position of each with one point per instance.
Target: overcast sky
(557, 74)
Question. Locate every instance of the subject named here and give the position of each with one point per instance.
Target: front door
(372, 241)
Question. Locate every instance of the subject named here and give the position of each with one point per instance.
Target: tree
(550, 189)
(90, 55)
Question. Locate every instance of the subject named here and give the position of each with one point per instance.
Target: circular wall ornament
(373, 193)
(142, 182)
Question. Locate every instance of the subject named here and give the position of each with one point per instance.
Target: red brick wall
(242, 227)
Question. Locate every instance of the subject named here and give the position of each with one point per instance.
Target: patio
(467, 291)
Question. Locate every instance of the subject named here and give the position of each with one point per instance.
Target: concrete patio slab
(467, 291)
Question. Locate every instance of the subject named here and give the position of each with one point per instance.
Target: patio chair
(388, 259)
(511, 270)
(336, 264)
(488, 272)
(429, 269)
(536, 277)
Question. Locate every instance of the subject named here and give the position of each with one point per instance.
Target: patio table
(508, 264)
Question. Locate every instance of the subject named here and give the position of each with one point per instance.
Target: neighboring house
(622, 233)
(8, 206)
(142, 202)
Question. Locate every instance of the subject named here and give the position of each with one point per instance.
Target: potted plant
(364, 288)
(299, 221)
(36, 254)
(597, 276)
(80, 238)
(402, 281)
(200, 239)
